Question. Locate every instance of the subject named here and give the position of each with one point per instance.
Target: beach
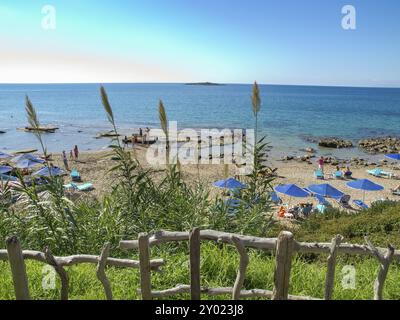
(94, 168)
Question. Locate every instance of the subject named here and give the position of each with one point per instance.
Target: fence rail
(284, 247)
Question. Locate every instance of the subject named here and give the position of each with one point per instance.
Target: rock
(335, 143)
(380, 145)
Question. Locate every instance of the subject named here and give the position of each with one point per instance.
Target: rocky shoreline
(380, 145)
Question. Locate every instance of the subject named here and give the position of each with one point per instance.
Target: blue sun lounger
(319, 175)
(75, 176)
(380, 173)
(6, 177)
(360, 204)
(323, 204)
(82, 187)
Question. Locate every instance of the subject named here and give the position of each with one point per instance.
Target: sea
(289, 116)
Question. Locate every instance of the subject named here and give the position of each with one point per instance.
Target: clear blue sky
(230, 41)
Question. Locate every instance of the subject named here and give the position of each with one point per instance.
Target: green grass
(218, 269)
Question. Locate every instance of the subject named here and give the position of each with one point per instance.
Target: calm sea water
(288, 113)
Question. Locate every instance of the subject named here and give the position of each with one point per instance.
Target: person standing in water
(65, 160)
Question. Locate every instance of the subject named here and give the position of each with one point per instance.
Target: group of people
(346, 172)
(73, 155)
(144, 135)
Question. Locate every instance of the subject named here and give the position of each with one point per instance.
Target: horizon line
(203, 82)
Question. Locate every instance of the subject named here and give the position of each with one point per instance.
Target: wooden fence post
(284, 251)
(385, 260)
(101, 270)
(60, 271)
(243, 263)
(18, 269)
(194, 249)
(330, 273)
(144, 262)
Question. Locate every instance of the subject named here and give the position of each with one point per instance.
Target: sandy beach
(94, 167)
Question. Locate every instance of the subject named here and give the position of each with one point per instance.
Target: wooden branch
(254, 293)
(284, 251)
(217, 236)
(60, 271)
(194, 252)
(330, 274)
(144, 260)
(385, 260)
(267, 244)
(101, 273)
(83, 258)
(18, 269)
(244, 261)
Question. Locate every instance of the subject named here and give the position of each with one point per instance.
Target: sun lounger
(82, 187)
(360, 204)
(396, 192)
(75, 176)
(6, 177)
(319, 175)
(323, 204)
(381, 173)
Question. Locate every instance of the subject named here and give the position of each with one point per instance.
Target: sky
(298, 42)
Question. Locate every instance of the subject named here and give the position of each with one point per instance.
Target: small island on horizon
(204, 84)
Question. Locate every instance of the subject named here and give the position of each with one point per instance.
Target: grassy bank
(219, 266)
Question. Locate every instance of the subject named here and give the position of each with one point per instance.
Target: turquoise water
(288, 113)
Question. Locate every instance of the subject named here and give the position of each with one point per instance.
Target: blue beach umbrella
(26, 164)
(27, 156)
(394, 156)
(45, 172)
(4, 155)
(230, 184)
(365, 185)
(325, 190)
(292, 190)
(5, 169)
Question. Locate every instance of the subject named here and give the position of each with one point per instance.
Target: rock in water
(335, 143)
(381, 145)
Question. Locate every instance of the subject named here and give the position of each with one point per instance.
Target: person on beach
(321, 163)
(125, 142)
(347, 172)
(147, 134)
(140, 132)
(71, 155)
(76, 152)
(65, 160)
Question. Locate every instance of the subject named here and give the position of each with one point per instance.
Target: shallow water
(288, 113)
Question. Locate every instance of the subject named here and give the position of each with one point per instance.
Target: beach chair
(343, 201)
(323, 204)
(396, 192)
(337, 175)
(75, 176)
(380, 173)
(232, 205)
(360, 204)
(318, 174)
(275, 198)
(6, 177)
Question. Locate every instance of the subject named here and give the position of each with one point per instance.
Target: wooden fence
(284, 248)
